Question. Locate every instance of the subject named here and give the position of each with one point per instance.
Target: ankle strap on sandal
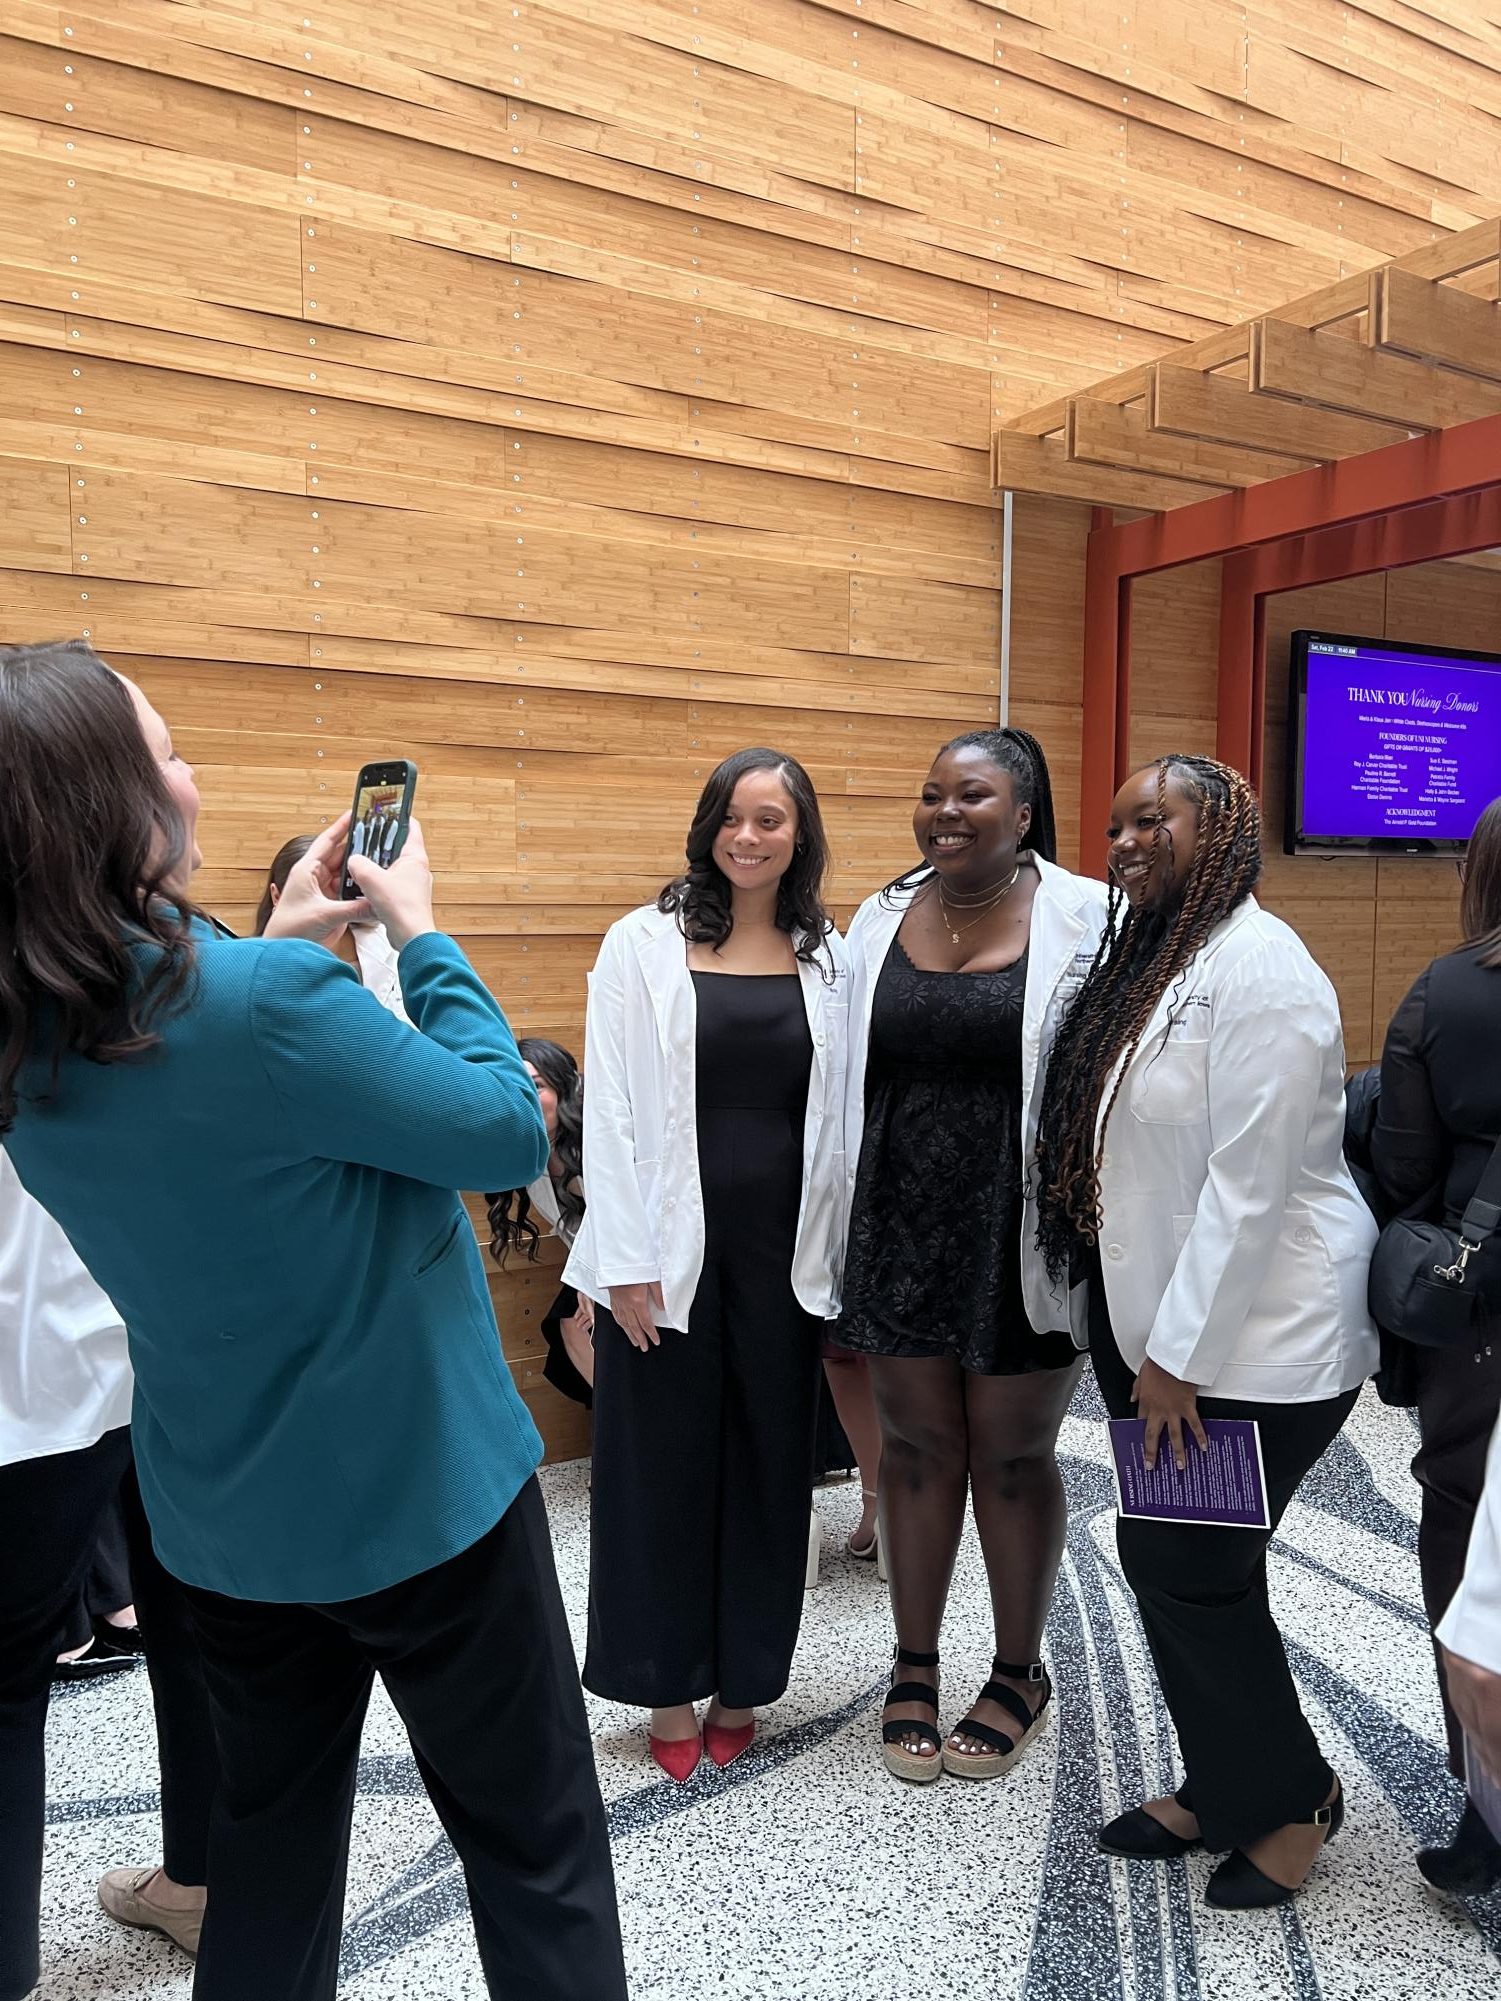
(1027, 1671)
(910, 1659)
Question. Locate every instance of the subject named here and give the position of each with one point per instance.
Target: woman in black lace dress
(959, 973)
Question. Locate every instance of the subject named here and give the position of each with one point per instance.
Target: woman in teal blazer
(259, 1164)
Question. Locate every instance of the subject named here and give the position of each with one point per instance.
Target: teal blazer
(322, 1407)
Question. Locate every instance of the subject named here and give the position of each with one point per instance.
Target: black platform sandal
(1142, 1837)
(1238, 1885)
(917, 1766)
(1004, 1751)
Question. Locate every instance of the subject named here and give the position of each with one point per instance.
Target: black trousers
(475, 1655)
(1459, 1394)
(1250, 1760)
(50, 1511)
(107, 1587)
(702, 1477)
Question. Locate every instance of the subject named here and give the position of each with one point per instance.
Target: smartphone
(382, 807)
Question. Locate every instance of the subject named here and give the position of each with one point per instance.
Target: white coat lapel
(664, 968)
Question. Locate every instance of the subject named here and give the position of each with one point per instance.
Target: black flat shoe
(1470, 1865)
(1143, 1838)
(123, 1640)
(93, 1664)
(1238, 1885)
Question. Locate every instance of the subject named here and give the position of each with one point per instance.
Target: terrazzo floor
(804, 1874)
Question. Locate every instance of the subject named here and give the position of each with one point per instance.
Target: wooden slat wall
(567, 392)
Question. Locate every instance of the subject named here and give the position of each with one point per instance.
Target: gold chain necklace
(956, 934)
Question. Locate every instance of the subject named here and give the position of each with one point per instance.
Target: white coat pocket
(1171, 1088)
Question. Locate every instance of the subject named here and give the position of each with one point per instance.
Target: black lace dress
(933, 1264)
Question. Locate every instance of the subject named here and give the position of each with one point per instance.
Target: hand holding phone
(399, 896)
(312, 905)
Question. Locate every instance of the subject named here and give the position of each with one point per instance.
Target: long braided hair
(1020, 756)
(1141, 953)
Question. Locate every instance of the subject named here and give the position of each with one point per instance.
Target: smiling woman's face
(1153, 839)
(758, 837)
(967, 821)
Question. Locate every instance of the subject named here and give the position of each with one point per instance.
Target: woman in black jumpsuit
(712, 1162)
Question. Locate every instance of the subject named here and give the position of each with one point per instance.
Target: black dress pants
(186, 1751)
(475, 1655)
(1250, 1760)
(703, 1450)
(1459, 1394)
(50, 1511)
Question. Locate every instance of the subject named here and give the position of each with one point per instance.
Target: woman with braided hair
(1191, 1168)
(960, 971)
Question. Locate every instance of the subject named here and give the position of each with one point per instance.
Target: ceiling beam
(1453, 255)
(1436, 323)
(1289, 361)
(1115, 435)
(1041, 465)
(1212, 406)
(1219, 350)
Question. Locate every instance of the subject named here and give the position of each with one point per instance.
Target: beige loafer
(122, 1893)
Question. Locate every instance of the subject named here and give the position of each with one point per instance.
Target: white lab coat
(379, 967)
(1234, 1245)
(644, 1217)
(64, 1367)
(1471, 1627)
(1068, 916)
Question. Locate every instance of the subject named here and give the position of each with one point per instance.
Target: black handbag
(1430, 1284)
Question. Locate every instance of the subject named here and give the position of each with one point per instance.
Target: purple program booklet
(1223, 1487)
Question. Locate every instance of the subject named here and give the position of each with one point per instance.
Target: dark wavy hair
(511, 1224)
(700, 898)
(1138, 959)
(1020, 756)
(1480, 905)
(89, 836)
(286, 858)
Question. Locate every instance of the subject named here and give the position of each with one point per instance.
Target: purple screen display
(1398, 745)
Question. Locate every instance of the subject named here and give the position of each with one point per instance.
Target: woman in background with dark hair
(959, 971)
(714, 1167)
(557, 1198)
(1191, 1168)
(363, 945)
(1436, 1127)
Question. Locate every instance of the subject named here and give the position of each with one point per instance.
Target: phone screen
(378, 821)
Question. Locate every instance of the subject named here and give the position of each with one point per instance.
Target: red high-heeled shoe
(724, 1746)
(678, 1756)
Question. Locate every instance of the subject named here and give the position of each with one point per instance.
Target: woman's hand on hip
(310, 906)
(1167, 1405)
(401, 896)
(631, 1306)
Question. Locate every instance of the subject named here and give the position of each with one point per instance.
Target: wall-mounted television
(1392, 749)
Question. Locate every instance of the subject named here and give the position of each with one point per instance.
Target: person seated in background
(364, 946)
(335, 1461)
(557, 1198)
(1437, 1124)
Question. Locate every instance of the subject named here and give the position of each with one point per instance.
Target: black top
(933, 1264)
(754, 1052)
(1440, 1109)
